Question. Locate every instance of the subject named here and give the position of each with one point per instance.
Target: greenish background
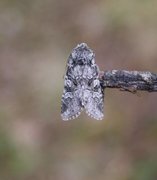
(36, 38)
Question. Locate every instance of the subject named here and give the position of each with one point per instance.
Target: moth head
(82, 55)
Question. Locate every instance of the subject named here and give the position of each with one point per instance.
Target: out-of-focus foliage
(36, 37)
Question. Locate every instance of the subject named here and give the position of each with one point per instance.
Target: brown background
(36, 37)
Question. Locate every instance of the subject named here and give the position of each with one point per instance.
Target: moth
(82, 87)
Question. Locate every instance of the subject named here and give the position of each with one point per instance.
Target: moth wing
(95, 104)
(71, 106)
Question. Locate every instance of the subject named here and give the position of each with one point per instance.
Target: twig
(129, 80)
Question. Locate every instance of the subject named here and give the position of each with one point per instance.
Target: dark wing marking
(71, 106)
(95, 102)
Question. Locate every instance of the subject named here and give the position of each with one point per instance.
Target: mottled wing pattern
(95, 102)
(71, 103)
(71, 107)
(82, 88)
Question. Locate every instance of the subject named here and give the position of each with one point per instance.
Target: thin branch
(130, 80)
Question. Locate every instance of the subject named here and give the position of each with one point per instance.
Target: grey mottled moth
(82, 88)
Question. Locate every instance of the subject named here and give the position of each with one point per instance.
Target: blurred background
(36, 38)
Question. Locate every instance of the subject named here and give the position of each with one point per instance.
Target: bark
(131, 81)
